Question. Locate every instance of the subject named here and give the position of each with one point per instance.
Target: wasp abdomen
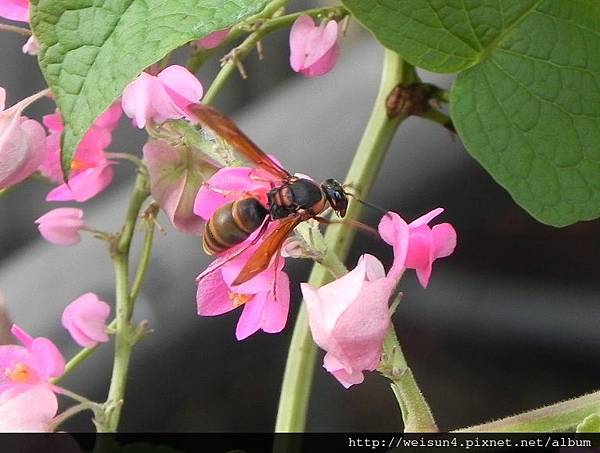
(232, 224)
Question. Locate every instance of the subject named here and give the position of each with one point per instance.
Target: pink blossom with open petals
(213, 39)
(17, 10)
(266, 297)
(61, 226)
(33, 364)
(85, 319)
(425, 244)
(21, 142)
(176, 174)
(91, 171)
(29, 410)
(313, 48)
(349, 318)
(162, 97)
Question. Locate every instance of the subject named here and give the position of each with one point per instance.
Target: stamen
(78, 165)
(239, 299)
(20, 373)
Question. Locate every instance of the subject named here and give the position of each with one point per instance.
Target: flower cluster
(28, 399)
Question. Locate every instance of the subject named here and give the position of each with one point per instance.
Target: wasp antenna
(366, 203)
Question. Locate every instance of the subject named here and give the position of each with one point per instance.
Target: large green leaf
(527, 102)
(91, 49)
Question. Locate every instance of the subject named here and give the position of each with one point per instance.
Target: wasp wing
(226, 129)
(261, 258)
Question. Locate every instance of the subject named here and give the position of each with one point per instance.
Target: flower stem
(139, 163)
(559, 417)
(70, 412)
(124, 309)
(15, 29)
(268, 26)
(149, 218)
(416, 414)
(297, 380)
(201, 55)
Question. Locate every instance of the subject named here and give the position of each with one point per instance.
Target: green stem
(124, 309)
(70, 412)
(139, 163)
(559, 417)
(440, 118)
(5, 191)
(15, 29)
(201, 55)
(140, 274)
(416, 413)
(297, 380)
(268, 26)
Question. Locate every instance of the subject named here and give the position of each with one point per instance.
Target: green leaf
(591, 424)
(91, 49)
(441, 35)
(527, 102)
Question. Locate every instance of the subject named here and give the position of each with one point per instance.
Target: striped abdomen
(232, 224)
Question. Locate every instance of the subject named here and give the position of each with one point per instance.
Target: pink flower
(349, 318)
(176, 173)
(266, 297)
(61, 226)
(33, 364)
(91, 172)
(425, 244)
(162, 97)
(85, 319)
(15, 10)
(21, 142)
(313, 49)
(30, 410)
(213, 39)
(32, 46)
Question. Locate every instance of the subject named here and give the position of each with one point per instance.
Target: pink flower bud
(61, 226)
(349, 318)
(32, 46)
(21, 142)
(15, 10)
(162, 97)
(176, 174)
(85, 319)
(213, 39)
(313, 49)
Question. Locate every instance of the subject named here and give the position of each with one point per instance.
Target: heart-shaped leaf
(91, 49)
(527, 102)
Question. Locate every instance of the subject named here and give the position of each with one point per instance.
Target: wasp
(293, 201)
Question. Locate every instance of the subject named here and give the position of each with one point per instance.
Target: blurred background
(509, 322)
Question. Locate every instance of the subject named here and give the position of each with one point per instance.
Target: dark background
(510, 322)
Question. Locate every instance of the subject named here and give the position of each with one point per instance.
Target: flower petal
(331, 364)
(212, 295)
(394, 231)
(17, 10)
(444, 240)
(31, 410)
(181, 85)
